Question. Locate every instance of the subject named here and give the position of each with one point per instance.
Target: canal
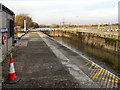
(104, 58)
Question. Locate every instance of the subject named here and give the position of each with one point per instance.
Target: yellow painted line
(112, 83)
(94, 71)
(107, 72)
(112, 76)
(109, 81)
(84, 65)
(106, 79)
(84, 59)
(116, 84)
(102, 73)
(97, 74)
(102, 79)
(91, 69)
(79, 56)
(74, 57)
(91, 66)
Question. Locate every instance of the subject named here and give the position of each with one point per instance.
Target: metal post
(10, 55)
(24, 25)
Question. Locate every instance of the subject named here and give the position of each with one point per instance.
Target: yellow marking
(84, 59)
(101, 71)
(107, 72)
(108, 85)
(84, 65)
(112, 76)
(94, 71)
(73, 57)
(116, 84)
(79, 56)
(76, 57)
(91, 66)
(106, 80)
(103, 77)
(97, 74)
(112, 83)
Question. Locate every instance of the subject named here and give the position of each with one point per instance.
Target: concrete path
(62, 53)
(37, 66)
(41, 64)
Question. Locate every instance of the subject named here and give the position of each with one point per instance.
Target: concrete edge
(82, 78)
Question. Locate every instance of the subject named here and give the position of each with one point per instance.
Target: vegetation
(43, 26)
(19, 21)
(54, 26)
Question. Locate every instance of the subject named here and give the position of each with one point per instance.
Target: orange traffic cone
(12, 76)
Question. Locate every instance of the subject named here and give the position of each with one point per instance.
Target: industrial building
(6, 30)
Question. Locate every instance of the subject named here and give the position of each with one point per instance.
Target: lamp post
(24, 25)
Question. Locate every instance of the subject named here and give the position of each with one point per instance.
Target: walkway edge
(82, 78)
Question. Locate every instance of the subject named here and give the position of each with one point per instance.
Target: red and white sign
(3, 39)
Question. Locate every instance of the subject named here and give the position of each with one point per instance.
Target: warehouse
(6, 30)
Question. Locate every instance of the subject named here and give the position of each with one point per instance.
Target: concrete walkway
(37, 66)
(41, 64)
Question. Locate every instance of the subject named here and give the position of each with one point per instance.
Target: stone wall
(96, 41)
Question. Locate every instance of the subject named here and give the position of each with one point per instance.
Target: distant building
(6, 30)
(111, 28)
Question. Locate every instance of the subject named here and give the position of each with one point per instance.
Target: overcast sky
(72, 11)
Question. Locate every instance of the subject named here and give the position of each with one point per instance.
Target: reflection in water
(104, 58)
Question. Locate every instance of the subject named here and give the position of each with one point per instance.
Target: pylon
(12, 78)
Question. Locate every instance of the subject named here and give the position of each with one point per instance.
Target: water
(104, 58)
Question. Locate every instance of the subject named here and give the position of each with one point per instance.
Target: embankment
(109, 44)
